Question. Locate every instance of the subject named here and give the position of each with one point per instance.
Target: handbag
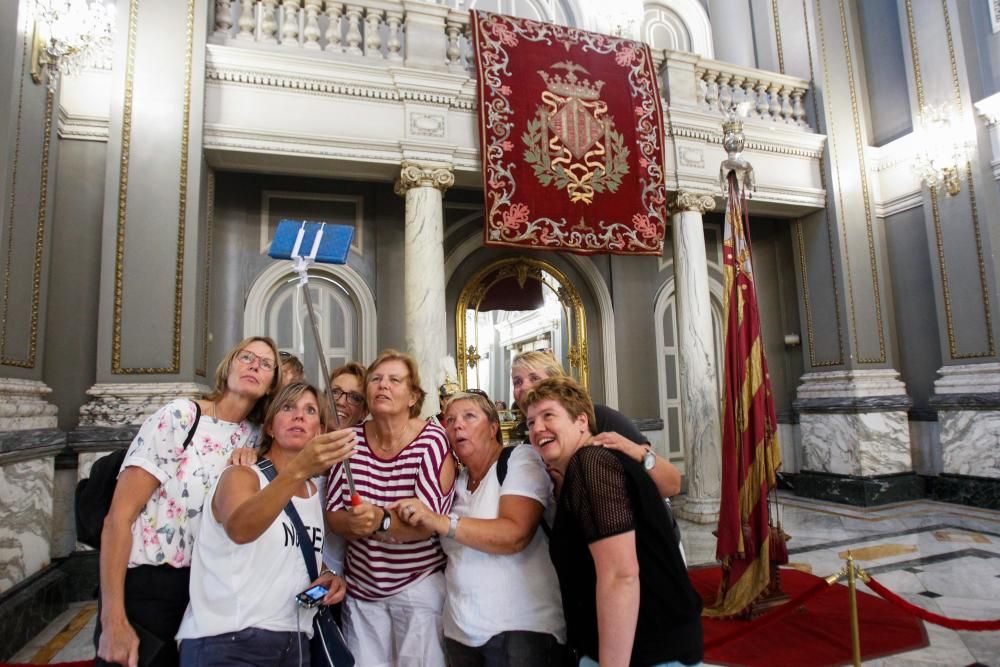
(327, 648)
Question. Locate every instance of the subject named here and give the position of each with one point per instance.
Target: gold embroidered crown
(571, 86)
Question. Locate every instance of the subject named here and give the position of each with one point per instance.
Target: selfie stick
(328, 244)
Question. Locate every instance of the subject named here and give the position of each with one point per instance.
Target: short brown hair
(536, 360)
(222, 377)
(483, 402)
(350, 368)
(414, 379)
(566, 392)
(290, 364)
(290, 394)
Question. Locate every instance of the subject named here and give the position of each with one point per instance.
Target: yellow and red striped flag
(750, 452)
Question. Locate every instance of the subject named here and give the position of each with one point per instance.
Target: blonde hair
(414, 379)
(289, 395)
(536, 360)
(567, 393)
(259, 408)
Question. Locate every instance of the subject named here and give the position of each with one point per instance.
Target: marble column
(425, 326)
(699, 397)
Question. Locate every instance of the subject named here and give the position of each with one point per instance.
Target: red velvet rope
(771, 616)
(936, 619)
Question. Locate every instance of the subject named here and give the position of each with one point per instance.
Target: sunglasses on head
(284, 354)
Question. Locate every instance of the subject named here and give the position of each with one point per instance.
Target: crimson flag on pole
(750, 452)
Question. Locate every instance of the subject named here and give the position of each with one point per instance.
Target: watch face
(649, 460)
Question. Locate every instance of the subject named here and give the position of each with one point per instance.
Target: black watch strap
(383, 524)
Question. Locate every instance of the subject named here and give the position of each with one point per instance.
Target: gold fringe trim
(745, 590)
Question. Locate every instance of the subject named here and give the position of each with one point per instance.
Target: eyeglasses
(478, 392)
(353, 397)
(284, 354)
(247, 357)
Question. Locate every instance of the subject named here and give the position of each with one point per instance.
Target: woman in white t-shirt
(247, 566)
(502, 602)
(150, 527)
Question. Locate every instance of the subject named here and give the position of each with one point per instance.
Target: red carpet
(817, 634)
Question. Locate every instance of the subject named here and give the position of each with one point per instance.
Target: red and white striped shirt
(376, 570)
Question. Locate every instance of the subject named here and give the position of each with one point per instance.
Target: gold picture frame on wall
(571, 346)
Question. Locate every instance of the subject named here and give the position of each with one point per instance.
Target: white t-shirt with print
(164, 531)
(492, 593)
(252, 585)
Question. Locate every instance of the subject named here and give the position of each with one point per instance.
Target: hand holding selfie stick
(327, 244)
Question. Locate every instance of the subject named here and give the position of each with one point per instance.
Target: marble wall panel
(868, 443)
(63, 514)
(970, 442)
(26, 505)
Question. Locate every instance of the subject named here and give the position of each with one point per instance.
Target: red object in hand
(355, 500)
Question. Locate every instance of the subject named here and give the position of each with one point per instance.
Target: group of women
(459, 551)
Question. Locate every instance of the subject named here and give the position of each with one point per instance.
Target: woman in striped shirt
(395, 584)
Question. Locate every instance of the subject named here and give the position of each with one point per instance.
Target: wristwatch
(649, 458)
(452, 525)
(383, 525)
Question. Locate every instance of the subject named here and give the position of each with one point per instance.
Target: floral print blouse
(164, 531)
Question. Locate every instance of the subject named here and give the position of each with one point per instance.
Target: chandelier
(943, 150)
(69, 34)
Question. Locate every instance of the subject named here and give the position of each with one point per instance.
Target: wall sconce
(68, 35)
(943, 150)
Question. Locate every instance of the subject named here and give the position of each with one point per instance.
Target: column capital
(686, 200)
(416, 175)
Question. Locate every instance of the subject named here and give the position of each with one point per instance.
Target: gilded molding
(935, 204)
(685, 200)
(202, 370)
(860, 144)
(414, 175)
(5, 360)
(826, 209)
(521, 269)
(777, 35)
(127, 107)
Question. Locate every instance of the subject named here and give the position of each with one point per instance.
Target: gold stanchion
(855, 631)
(853, 573)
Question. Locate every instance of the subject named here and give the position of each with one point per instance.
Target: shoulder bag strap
(194, 425)
(305, 544)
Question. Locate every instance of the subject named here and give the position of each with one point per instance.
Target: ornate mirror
(511, 306)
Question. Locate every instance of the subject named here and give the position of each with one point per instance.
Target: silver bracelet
(326, 569)
(452, 525)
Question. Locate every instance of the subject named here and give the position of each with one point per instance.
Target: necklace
(474, 483)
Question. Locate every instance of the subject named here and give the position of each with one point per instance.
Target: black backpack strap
(502, 475)
(194, 425)
(502, 463)
(305, 543)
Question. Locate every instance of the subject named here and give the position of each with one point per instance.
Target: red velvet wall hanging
(572, 139)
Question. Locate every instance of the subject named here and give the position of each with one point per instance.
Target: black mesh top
(605, 493)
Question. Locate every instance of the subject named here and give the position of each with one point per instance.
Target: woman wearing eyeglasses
(503, 605)
(148, 535)
(395, 585)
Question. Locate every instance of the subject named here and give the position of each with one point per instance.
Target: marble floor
(943, 557)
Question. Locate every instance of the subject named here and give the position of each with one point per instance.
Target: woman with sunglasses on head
(503, 605)
(150, 528)
(395, 585)
(248, 567)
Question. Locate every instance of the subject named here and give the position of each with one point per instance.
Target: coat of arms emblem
(572, 143)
